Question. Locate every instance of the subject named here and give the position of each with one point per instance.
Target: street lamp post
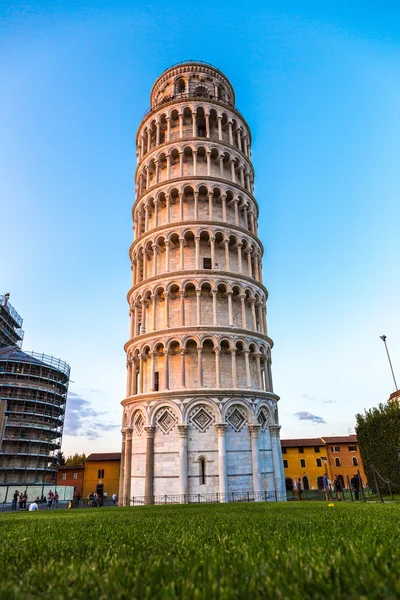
(383, 338)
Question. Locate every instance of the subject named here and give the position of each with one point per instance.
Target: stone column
(131, 324)
(207, 117)
(223, 197)
(227, 265)
(182, 293)
(255, 458)
(153, 312)
(214, 297)
(200, 366)
(181, 253)
(212, 245)
(152, 371)
(128, 467)
(217, 368)
(239, 249)
(128, 378)
(230, 312)
(242, 299)
(168, 119)
(134, 377)
(121, 469)
(234, 375)
(166, 296)
(194, 162)
(166, 369)
(230, 133)
(194, 118)
(219, 128)
(253, 312)
(248, 377)
(249, 269)
(158, 133)
(208, 163)
(168, 158)
(277, 461)
(181, 212)
(149, 477)
(136, 322)
(236, 206)
(134, 264)
(197, 250)
(180, 125)
(141, 369)
(183, 373)
(198, 306)
(143, 323)
(196, 208)
(258, 369)
(183, 461)
(233, 173)
(222, 470)
(155, 247)
(221, 166)
(167, 245)
(210, 205)
(181, 164)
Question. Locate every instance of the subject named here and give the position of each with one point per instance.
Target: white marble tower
(200, 415)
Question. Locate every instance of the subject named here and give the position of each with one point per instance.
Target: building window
(100, 474)
(355, 461)
(64, 476)
(302, 462)
(75, 476)
(316, 449)
(319, 462)
(284, 451)
(335, 448)
(207, 263)
(285, 464)
(301, 450)
(352, 448)
(202, 473)
(337, 462)
(156, 381)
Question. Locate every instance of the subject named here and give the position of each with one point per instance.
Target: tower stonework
(200, 415)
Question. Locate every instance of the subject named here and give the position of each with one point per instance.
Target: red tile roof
(307, 442)
(105, 456)
(340, 439)
(301, 442)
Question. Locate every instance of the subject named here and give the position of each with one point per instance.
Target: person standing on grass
(50, 499)
(105, 498)
(355, 484)
(14, 502)
(115, 499)
(56, 499)
(297, 488)
(337, 487)
(325, 485)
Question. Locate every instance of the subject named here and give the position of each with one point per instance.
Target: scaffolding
(10, 324)
(35, 387)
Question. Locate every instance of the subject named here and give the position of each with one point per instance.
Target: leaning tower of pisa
(200, 416)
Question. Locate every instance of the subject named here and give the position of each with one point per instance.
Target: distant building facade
(308, 459)
(72, 475)
(33, 392)
(102, 474)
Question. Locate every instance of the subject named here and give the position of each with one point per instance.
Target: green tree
(60, 458)
(76, 459)
(378, 434)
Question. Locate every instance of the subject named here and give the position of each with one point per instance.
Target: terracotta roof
(301, 442)
(105, 456)
(340, 439)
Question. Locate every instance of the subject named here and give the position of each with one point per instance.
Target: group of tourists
(20, 500)
(331, 487)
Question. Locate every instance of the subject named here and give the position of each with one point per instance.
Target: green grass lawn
(297, 551)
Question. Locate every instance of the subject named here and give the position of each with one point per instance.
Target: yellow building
(102, 474)
(310, 458)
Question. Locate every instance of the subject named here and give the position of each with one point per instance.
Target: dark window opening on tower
(156, 381)
(202, 471)
(207, 263)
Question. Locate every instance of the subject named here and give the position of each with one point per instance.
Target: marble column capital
(150, 431)
(183, 430)
(221, 428)
(254, 430)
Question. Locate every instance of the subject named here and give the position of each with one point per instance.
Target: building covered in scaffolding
(34, 387)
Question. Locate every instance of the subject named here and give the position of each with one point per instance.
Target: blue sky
(319, 84)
